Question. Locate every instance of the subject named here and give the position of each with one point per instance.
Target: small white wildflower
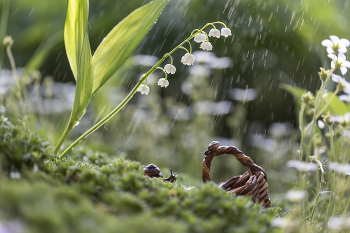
(144, 89)
(341, 168)
(188, 59)
(206, 46)
(200, 38)
(336, 45)
(284, 223)
(339, 222)
(243, 94)
(226, 32)
(163, 82)
(295, 195)
(170, 69)
(339, 62)
(320, 124)
(302, 166)
(337, 79)
(214, 33)
(15, 175)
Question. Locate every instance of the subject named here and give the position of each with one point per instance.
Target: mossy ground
(95, 192)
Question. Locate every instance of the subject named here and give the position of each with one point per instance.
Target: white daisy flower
(339, 62)
(336, 45)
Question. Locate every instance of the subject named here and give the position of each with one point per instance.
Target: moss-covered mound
(94, 192)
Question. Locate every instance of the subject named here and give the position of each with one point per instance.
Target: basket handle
(214, 149)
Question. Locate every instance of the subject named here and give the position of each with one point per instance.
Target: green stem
(332, 143)
(321, 111)
(122, 104)
(69, 128)
(13, 67)
(315, 205)
(3, 27)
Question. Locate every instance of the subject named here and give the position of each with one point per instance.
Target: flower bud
(8, 41)
(341, 86)
(323, 74)
(326, 118)
(307, 97)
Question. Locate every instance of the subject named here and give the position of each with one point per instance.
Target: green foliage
(122, 40)
(94, 192)
(336, 107)
(79, 55)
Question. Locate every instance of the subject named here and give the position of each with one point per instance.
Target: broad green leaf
(336, 106)
(295, 91)
(75, 29)
(84, 82)
(122, 40)
(79, 54)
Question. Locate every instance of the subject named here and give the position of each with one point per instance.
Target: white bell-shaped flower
(339, 62)
(163, 82)
(206, 46)
(226, 32)
(214, 33)
(170, 69)
(336, 45)
(188, 59)
(200, 38)
(144, 89)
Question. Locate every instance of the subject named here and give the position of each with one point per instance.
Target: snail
(152, 170)
(172, 176)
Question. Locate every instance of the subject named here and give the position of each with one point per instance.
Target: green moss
(94, 192)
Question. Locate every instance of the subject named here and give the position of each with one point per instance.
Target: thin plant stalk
(14, 72)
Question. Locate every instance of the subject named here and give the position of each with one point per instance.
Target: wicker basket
(252, 183)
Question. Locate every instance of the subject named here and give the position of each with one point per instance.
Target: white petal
(330, 50)
(346, 64)
(341, 58)
(344, 42)
(342, 50)
(332, 56)
(320, 124)
(333, 64)
(345, 98)
(327, 43)
(336, 78)
(343, 70)
(334, 39)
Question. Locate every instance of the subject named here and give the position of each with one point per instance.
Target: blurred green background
(231, 95)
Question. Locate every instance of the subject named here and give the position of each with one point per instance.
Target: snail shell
(152, 170)
(213, 145)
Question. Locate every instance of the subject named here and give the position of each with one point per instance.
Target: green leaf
(336, 106)
(84, 82)
(75, 29)
(295, 91)
(122, 40)
(79, 54)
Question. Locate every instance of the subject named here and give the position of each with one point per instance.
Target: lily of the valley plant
(92, 72)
